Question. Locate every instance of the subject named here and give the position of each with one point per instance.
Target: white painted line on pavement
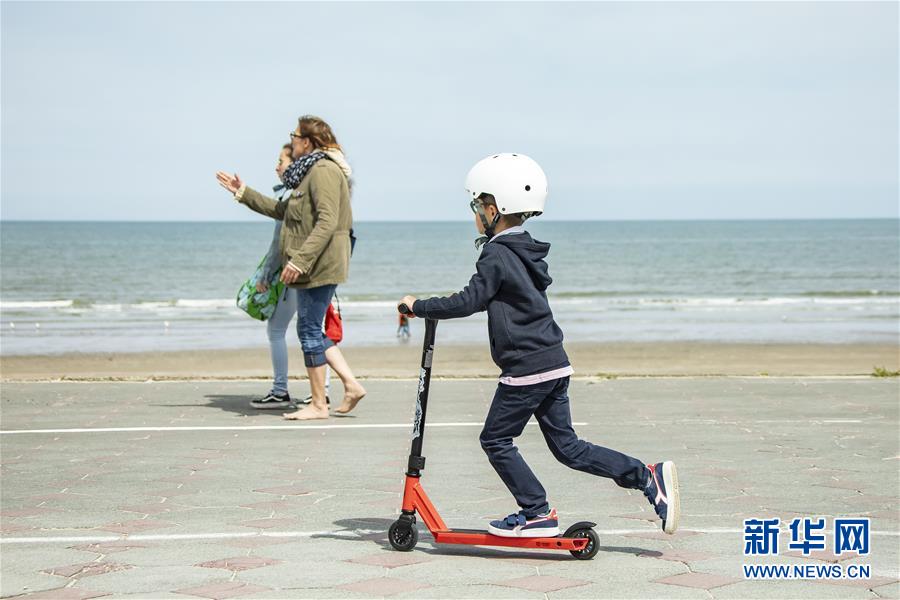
(99, 539)
(246, 428)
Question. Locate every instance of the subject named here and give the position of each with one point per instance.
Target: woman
(315, 249)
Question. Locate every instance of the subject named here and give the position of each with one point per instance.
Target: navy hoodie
(510, 283)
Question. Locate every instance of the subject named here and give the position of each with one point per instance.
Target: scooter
(580, 539)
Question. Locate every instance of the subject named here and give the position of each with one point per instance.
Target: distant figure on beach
(314, 249)
(403, 327)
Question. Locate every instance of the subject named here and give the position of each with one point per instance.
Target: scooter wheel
(403, 536)
(593, 545)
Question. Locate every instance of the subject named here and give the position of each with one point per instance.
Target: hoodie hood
(532, 254)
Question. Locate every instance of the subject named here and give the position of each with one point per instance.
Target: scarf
(298, 169)
(295, 173)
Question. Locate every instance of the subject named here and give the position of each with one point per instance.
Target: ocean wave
(36, 304)
(607, 293)
(107, 307)
(73, 306)
(392, 304)
(775, 301)
(189, 303)
(852, 293)
(216, 303)
(610, 300)
(152, 305)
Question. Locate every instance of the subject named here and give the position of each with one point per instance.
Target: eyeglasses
(474, 205)
(296, 136)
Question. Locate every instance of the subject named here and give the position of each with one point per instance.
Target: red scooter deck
(475, 537)
(415, 500)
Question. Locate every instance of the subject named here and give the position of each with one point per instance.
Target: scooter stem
(416, 460)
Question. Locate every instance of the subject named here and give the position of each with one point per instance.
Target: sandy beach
(401, 361)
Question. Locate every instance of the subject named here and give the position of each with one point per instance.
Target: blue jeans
(309, 305)
(549, 403)
(312, 303)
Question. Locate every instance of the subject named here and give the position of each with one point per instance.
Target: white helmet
(516, 182)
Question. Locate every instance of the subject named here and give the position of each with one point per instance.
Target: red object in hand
(334, 328)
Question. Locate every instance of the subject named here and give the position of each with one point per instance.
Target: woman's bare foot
(352, 396)
(307, 413)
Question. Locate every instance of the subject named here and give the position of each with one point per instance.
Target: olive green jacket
(315, 237)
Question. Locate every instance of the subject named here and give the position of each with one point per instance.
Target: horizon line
(675, 220)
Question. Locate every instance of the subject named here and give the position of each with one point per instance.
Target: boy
(510, 283)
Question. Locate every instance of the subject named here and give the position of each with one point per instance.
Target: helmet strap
(488, 227)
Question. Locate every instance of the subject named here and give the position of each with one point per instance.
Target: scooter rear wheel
(403, 536)
(593, 545)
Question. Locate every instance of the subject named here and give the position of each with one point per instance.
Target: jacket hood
(532, 254)
(338, 157)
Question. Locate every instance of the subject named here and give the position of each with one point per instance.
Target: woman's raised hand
(230, 182)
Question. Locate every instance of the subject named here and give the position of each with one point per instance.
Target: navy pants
(511, 409)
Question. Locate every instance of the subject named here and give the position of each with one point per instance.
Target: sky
(714, 110)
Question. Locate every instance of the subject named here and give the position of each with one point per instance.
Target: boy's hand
(409, 301)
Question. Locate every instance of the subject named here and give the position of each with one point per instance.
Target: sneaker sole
(673, 511)
(270, 405)
(524, 533)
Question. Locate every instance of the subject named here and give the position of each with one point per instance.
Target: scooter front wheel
(403, 536)
(593, 545)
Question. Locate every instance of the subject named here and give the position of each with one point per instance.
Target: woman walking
(314, 247)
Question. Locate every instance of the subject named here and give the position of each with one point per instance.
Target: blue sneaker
(516, 525)
(662, 492)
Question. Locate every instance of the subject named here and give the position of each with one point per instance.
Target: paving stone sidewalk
(113, 508)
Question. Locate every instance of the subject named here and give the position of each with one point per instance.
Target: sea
(132, 287)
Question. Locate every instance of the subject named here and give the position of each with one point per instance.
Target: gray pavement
(116, 490)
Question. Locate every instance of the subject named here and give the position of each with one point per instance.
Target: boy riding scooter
(510, 283)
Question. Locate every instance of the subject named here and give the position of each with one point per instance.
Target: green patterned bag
(260, 305)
